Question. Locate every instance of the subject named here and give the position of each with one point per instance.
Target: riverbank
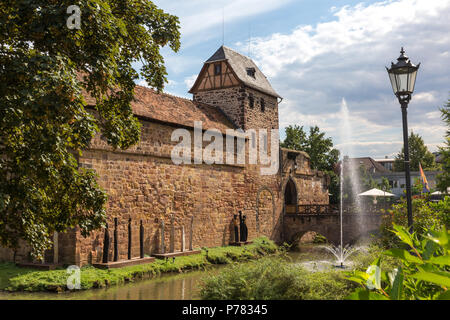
(13, 278)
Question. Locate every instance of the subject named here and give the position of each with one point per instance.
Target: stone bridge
(355, 226)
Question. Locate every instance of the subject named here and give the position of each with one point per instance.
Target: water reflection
(166, 287)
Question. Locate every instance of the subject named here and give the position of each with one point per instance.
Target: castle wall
(144, 184)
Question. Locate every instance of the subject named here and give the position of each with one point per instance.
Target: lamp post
(403, 79)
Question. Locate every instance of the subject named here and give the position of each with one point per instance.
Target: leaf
(441, 260)
(444, 296)
(429, 248)
(441, 238)
(397, 285)
(441, 278)
(364, 294)
(374, 277)
(402, 254)
(404, 235)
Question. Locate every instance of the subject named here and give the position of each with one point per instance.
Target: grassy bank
(13, 278)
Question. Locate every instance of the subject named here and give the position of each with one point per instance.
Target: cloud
(202, 19)
(189, 81)
(314, 66)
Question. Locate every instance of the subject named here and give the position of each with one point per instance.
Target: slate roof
(175, 110)
(239, 63)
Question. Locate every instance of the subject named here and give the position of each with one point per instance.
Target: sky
(319, 54)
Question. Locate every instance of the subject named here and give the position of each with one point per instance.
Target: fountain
(342, 252)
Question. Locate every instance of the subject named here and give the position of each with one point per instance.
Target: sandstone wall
(144, 184)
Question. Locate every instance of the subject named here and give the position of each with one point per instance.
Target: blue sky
(316, 54)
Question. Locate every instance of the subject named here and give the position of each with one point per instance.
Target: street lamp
(403, 79)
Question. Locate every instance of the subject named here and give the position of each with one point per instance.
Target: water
(348, 189)
(184, 286)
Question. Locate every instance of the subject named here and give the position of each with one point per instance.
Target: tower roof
(240, 63)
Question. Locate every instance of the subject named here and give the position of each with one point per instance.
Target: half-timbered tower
(233, 82)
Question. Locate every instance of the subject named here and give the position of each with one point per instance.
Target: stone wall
(143, 183)
(235, 103)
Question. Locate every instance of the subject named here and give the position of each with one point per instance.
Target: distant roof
(384, 160)
(369, 163)
(175, 110)
(239, 63)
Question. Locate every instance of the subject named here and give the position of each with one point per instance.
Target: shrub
(426, 215)
(423, 273)
(274, 279)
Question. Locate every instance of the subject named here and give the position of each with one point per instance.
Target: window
(217, 69)
(263, 105)
(251, 100)
(251, 72)
(253, 139)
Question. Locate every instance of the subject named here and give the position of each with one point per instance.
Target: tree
(443, 180)
(320, 149)
(46, 70)
(418, 152)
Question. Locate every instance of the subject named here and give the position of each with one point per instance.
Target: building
(397, 180)
(387, 163)
(370, 165)
(144, 185)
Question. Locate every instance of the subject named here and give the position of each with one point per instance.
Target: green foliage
(369, 183)
(13, 278)
(319, 239)
(320, 149)
(46, 72)
(418, 153)
(443, 180)
(426, 215)
(274, 279)
(424, 272)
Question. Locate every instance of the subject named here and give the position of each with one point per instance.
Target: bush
(423, 273)
(426, 215)
(274, 279)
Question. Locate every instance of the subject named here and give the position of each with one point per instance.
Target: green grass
(13, 278)
(272, 278)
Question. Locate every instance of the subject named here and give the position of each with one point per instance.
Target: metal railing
(311, 209)
(317, 209)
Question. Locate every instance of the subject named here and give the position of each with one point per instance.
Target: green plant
(319, 239)
(274, 278)
(423, 274)
(426, 215)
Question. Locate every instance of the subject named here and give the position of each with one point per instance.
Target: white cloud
(433, 115)
(425, 96)
(189, 81)
(202, 19)
(314, 66)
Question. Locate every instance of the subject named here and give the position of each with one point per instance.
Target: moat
(184, 286)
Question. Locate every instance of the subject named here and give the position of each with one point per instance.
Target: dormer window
(217, 69)
(251, 72)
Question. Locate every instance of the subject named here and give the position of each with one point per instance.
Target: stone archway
(265, 211)
(290, 197)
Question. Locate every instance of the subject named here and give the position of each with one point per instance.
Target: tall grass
(274, 279)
